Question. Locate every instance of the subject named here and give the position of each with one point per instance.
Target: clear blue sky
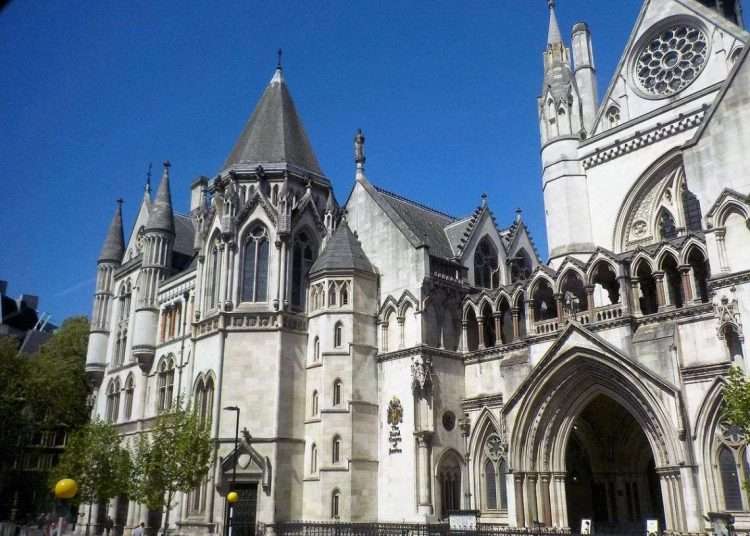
(93, 91)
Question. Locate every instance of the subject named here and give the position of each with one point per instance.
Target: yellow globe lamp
(66, 488)
(233, 497)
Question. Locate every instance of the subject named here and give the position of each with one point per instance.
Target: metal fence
(401, 529)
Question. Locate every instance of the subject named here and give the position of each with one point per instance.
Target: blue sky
(93, 91)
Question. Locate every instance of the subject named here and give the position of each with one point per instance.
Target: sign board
(586, 526)
(463, 520)
(652, 527)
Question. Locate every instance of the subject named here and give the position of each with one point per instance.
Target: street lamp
(64, 489)
(233, 496)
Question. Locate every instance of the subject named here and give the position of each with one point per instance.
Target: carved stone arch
(389, 305)
(641, 257)
(563, 274)
(706, 426)
(502, 296)
(518, 297)
(536, 279)
(407, 299)
(687, 248)
(727, 208)
(486, 421)
(468, 306)
(595, 262)
(635, 221)
(558, 390)
(247, 213)
(485, 300)
(664, 252)
(449, 476)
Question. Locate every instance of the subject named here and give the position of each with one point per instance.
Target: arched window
(338, 334)
(344, 294)
(315, 403)
(667, 226)
(545, 306)
(489, 337)
(520, 266)
(573, 293)
(275, 194)
(165, 384)
(303, 256)
(112, 412)
(125, 295)
(606, 287)
(449, 479)
(495, 468)
(204, 401)
(734, 345)
(336, 450)
(335, 499)
(729, 479)
(212, 277)
(255, 266)
(331, 293)
(647, 299)
(337, 393)
(313, 459)
(316, 349)
(673, 280)
(486, 272)
(129, 392)
(701, 273)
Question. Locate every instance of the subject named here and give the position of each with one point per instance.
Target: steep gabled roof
(114, 244)
(161, 216)
(342, 252)
(274, 134)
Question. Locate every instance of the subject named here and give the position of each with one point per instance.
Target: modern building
(393, 363)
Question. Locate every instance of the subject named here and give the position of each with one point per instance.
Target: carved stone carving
(727, 311)
(421, 374)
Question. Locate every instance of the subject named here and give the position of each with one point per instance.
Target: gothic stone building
(393, 363)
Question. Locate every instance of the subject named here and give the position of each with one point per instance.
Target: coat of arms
(395, 412)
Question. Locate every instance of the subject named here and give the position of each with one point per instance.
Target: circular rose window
(671, 60)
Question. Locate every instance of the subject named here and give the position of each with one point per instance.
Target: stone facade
(394, 363)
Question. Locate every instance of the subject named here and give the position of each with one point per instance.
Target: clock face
(671, 60)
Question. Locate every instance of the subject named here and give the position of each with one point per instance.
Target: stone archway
(546, 408)
(611, 476)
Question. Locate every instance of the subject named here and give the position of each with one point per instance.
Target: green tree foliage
(56, 386)
(13, 422)
(95, 458)
(737, 401)
(173, 456)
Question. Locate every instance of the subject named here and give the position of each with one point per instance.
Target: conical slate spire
(553, 35)
(342, 252)
(274, 134)
(161, 217)
(114, 245)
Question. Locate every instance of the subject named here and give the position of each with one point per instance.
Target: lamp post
(64, 489)
(233, 496)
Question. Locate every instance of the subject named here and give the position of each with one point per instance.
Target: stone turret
(585, 74)
(109, 260)
(158, 240)
(561, 126)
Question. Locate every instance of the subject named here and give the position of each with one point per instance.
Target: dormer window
(486, 272)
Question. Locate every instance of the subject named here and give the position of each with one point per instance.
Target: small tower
(585, 73)
(109, 259)
(561, 118)
(158, 239)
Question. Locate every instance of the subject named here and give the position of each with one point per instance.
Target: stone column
(401, 335)
(384, 336)
(530, 499)
(282, 278)
(480, 332)
(625, 294)
(590, 301)
(661, 295)
(278, 299)
(667, 502)
(516, 312)
(499, 329)
(687, 287)
(689, 488)
(424, 496)
(518, 493)
(721, 245)
(464, 335)
(223, 281)
(559, 306)
(544, 492)
(635, 296)
(530, 317)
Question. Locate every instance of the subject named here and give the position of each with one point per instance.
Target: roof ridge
(415, 203)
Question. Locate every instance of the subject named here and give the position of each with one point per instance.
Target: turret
(585, 73)
(561, 118)
(158, 239)
(109, 260)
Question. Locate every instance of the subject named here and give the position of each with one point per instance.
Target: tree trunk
(166, 514)
(88, 524)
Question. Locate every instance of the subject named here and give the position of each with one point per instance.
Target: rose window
(672, 60)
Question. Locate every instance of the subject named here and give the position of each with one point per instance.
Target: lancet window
(494, 469)
(112, 411)
(733, 470)
(486, 271)
(204, 401)
(129, 392)
(255, 266)
(212, 277)
(165, 384)
(303, 256)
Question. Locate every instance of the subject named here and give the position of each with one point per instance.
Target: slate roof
(161, 216)
(114, 244)
(426, 224)
(274, 133)
(342, 252)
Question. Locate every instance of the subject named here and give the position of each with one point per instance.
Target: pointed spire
(274, 134)
(553, 35)
(161, 217)
(114, 244)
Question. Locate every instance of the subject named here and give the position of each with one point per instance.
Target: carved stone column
(530, 499)
(424, 495)
(625, 293)
(401, 334)
(635, 296)
(516, 312)
(559, 306)
(499, 329)
(530, 317)
(464, 335)
(546, 510)
(590, 301)
(688, 294)
(480, 333)
(721, 245)
(384, 336)
(661, 295)
(518, 491)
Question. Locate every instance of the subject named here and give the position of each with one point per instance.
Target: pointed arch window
(212, 277)
(316, 349)
(336, 450)
(486, 272)
(112, 411)
(337, 393)
(338, 333)
(314, 459)
(493, 472)
(315, 403)
(165, 385)
(730, 479)
(255, 266)
(303, 256)
(344, 294)
(331, 293)
(335, 499)
(129, 392)
(204, 401)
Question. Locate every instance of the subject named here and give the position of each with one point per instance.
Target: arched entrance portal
(611, 476)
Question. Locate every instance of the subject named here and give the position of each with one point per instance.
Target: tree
(737, 401)
(95, 458)
(56, 386)
(172, 457)
(13, 421)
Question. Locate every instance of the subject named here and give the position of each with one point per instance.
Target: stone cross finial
(551, 4)
(148, 178)
(278, 64)
(359, 148)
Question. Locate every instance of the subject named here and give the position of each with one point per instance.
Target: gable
(133, 248)
(677, 50)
